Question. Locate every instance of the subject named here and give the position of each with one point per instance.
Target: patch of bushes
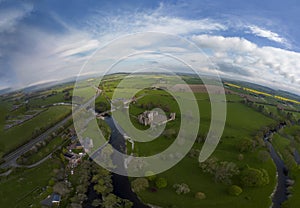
(200, 195)
(253, 177)
(161, 183)
(181, 188)
(235, 190)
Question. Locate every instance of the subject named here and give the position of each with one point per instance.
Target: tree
(139, 184)
(246, 145)
(102, 188)
(150, 175)
(200, 195)
(96, 203)
(102, 180)
(210, 165)
(75, 205)
(161, 183)
(61, 188)
(254, 177)
(181, 188)
(194, 153)
(111, 201)
(82, 197)
(126, 203)
(225, 171)
(222, 171)
(263, 156)
(235, 190)
(240, 157)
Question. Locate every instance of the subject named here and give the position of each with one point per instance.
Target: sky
(256, 41)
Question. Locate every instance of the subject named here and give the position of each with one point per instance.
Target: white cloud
(181, 26)
(261, 32)
(9, 18)
(51, 57)
(59, 56)
(77, 45)
(244, 59)
(224, 43)
(153, 20)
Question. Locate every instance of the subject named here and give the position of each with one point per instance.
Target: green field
(12, 138)
(242, 122)
(43, 151)
(23, 187)
(26, 187)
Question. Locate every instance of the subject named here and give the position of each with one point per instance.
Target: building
(52, 200)
(56, 199)
(154, 118)
(69, 156)
(147, 117)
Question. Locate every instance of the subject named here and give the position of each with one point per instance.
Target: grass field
(242, 122)
(18, 135)
(187, 171)
(44, 151)
(57, 98)
(23, 188)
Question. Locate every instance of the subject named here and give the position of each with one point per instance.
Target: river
(122, 187)
(281, 192)
(121, 184)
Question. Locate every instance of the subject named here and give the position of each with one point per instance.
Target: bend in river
(281, 193)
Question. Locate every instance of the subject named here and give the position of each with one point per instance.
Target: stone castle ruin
(150, 118)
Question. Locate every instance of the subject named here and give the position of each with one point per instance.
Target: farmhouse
(52, 200)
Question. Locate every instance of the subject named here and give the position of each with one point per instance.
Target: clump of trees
(252, 177)
(103, 186)
(139, 184)
(181, 188)
(289, 159)
(84, 172)
(222, 171)
(102, 181)
(101, 106)
(151, 105)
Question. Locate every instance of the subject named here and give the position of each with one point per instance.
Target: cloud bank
(36, 47)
